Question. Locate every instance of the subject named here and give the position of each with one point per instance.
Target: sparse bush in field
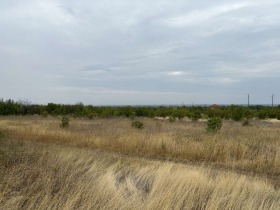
(45, 114)
(65, 122)
(172, 119)
(245, 122)
(214, 124)
(137, 124)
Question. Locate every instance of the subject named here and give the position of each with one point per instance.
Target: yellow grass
(69, 178)
(106, 164)
(251, 149)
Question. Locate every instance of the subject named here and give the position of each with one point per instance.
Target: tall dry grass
(66, 178)
(253, 149)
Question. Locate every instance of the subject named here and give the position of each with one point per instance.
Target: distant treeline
(11, 107)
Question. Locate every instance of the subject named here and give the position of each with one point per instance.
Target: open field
(106, 164)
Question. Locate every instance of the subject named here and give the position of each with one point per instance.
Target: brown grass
(72, 178)
(106, 164)
(253, 149)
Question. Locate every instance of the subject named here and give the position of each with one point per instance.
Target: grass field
(106, 164)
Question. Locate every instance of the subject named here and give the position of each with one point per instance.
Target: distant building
(215, 106)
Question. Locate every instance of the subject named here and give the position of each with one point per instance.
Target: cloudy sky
(128, 52)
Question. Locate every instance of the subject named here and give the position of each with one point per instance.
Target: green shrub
(90, 115)
(196, 115)
(45, 114)
(172, 119)
(137, 124)
(248, 114)
(214, 124)
(262, 115)
(245, 122)
(65, 122)
(237, 113)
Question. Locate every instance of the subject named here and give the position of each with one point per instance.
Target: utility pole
(272, 98)
(248, 99)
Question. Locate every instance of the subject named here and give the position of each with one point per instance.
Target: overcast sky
(128, 52)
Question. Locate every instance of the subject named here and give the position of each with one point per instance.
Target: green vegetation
(45, 114)
(234, 112)
(214, 124)
(137, 124)
(245, 122)
(65, 122)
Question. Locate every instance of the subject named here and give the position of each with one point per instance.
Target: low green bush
(90, 115)
(172, 119)
(196, 115)
(137, 124)
(245, 122)
(65, 122)
(45, 114)
(262, 115)
(214, 124)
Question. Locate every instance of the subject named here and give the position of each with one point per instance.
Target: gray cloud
(139, 52)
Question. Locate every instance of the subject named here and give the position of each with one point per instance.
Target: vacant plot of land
(106, 164)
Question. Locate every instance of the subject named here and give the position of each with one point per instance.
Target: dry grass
(106, 164)
(73, 178)
(254, 149)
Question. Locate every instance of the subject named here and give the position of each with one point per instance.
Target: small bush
(237, 114)
(90, 115)
(65, 122)
(172, 119)
(137, 124)
(262, 115)
(196, 115)
(45, 114)
(245, 122)
(214, 124)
